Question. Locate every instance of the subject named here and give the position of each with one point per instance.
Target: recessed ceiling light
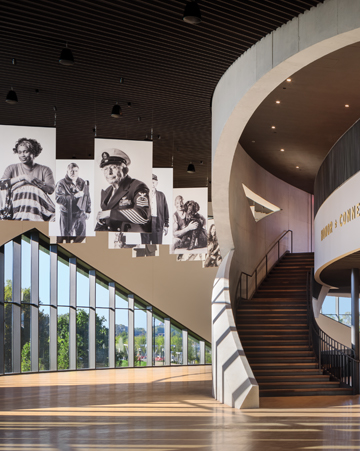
(297, 167)
(273, 126)
(347, 106)
(282, 150)
(288, 79)
(252, 141)
(278, 101)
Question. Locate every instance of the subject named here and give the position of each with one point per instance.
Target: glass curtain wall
(337, 308)
(79, 327)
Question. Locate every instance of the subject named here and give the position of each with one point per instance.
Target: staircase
(274, 332)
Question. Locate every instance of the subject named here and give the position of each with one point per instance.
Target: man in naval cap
(125, 205)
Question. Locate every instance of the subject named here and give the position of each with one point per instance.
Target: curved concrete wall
(319, 31)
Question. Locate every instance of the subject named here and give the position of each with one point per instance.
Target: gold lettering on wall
(344, 218)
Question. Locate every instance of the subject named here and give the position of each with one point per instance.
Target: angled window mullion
(112, 325)
(34, 299)
(72, 314)
(167, 340)
(16, 297)
(185, 347)
(92, 319)
(131, 330)
(53, 309)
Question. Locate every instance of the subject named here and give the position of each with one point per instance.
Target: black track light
(192, 13)
(66, 57)
(191, 168)
(116, 111)
(11, 97)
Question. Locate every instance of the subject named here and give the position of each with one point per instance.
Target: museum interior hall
(179, 255)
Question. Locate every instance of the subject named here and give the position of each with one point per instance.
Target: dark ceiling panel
(170, 70)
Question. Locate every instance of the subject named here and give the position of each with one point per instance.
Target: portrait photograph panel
(189, 234)
(213, 257)
(161, 207)
(27, 181)
(120, 240)
(123, 180)
(74, 198)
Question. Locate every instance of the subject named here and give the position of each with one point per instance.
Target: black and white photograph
(161, 207)
(74, 196)
(190, 257)
(213, 257)
(27, 184)
(189, 221)
(67, 239)
(121, 240)
(123, 180)
(145, 250)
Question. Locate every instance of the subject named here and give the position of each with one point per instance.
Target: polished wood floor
(163, 409)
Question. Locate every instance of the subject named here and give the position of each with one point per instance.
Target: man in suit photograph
(159, 216)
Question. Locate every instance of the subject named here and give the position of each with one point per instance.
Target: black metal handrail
(267, 270)
(333, 357)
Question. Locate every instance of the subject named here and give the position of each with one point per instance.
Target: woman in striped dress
(31, 184)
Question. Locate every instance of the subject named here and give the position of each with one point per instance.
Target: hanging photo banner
(123, 178)
(67, 239)
(213, 256)
(190, 257)
(189, 221)
(146, 250)
(27, 183)
(120, 240)
(161, 207)
(74, 197)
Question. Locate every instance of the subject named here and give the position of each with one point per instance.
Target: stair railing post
(266, 263)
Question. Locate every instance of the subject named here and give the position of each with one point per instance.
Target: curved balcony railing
(333, 358)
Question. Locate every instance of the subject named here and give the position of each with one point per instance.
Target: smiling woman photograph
(30, 184)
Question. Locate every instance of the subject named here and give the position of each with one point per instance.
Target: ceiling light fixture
(192, 13)
(277, 101)
(66, 57)
(347, 106)
(288, 79)
(273, 126)
(191, 168)
(11, 97)
(116, 111)
(282, 150)
(297, 167)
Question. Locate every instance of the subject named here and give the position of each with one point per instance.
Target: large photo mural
(27, 183)
(123, 177)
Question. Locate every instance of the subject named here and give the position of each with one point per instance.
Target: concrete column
(92, 317)
(53, 309)
(202, 352)
(149, 336)
(131, 330)
(167, 340)
(112, 325)
(355, 322)
(185, 347)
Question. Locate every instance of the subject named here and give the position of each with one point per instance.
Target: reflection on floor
(163, 409)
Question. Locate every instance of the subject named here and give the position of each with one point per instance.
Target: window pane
(345, 306)
(159, 341)
(63, 338)
(82, 337)
(102, 293)
(193, 351)
(140, 348)
(345, 319)
(121, 299)
(176, 346)
(8, 338)
(208, 357)
(102, 338)
(328, 307)
(63, 281)
(121, 337)
(8, 264)
(25, 339)
(44, 275)
(82, 287)
(25, 268)
(44, 338)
